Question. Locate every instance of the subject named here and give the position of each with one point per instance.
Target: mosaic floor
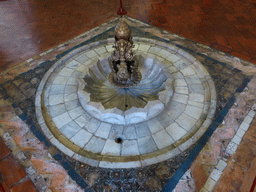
(46, 98)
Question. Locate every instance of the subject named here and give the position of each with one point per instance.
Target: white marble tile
(154, 50)
(142, 129)
(61, 120)
(181, 64)
(56, 99)
(231, 148)
(82, 68)
(100, 50)
(240, 132)
(172, 69)
(72, 104)
(92, 125)
(120, 165)
(176, 131)
(180, 98)
(95, 144)
(199, 105)
(111, 148)
(116, 130)
(60, 80)
(72, 64)
(188, 71)
(81, 58)
(154, 125)
(215, 174)
(175, 109)
(56, 110)
(163, 53)
(245, 126)
(130, 148)
(91, 54)
(70, 129)
(193, 111)
(86, 160)
(143, 47)
(196, 97)
(57, 89)
(248, 119)
(70, 89)
(251, 113)
(162, 139)
(180, 83)
(181, 90)
(76, 112)
(236, 139)
(129, 132)
(209, 184)
(221, 165)
(72, 81)
(81, 138)
(177, 75)
(83, 119)
(173, 58)
(186, 121)
(146, 145)
(160, 58)
(66, 72)
(103, 130)
(151, 56)
(193, 79)
(70, 97)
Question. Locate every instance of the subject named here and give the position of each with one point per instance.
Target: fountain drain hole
(119, 140)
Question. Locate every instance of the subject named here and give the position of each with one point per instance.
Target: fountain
(125, 102)
(117, 83)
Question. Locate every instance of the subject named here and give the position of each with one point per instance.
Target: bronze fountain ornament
(123, 63)
(121, 84)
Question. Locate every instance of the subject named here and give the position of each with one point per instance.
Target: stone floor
(208, 164)
(32, 27)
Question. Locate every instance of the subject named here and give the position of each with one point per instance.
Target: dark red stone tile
(5, 187)
(11, 170)
(221, 48)
(26, 185)
(240, 55)
(198, 173)
(1, 188)
(4, 150)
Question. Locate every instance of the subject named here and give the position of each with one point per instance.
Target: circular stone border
(110, 161)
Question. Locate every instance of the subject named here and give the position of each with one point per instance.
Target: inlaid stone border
(110, 161)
